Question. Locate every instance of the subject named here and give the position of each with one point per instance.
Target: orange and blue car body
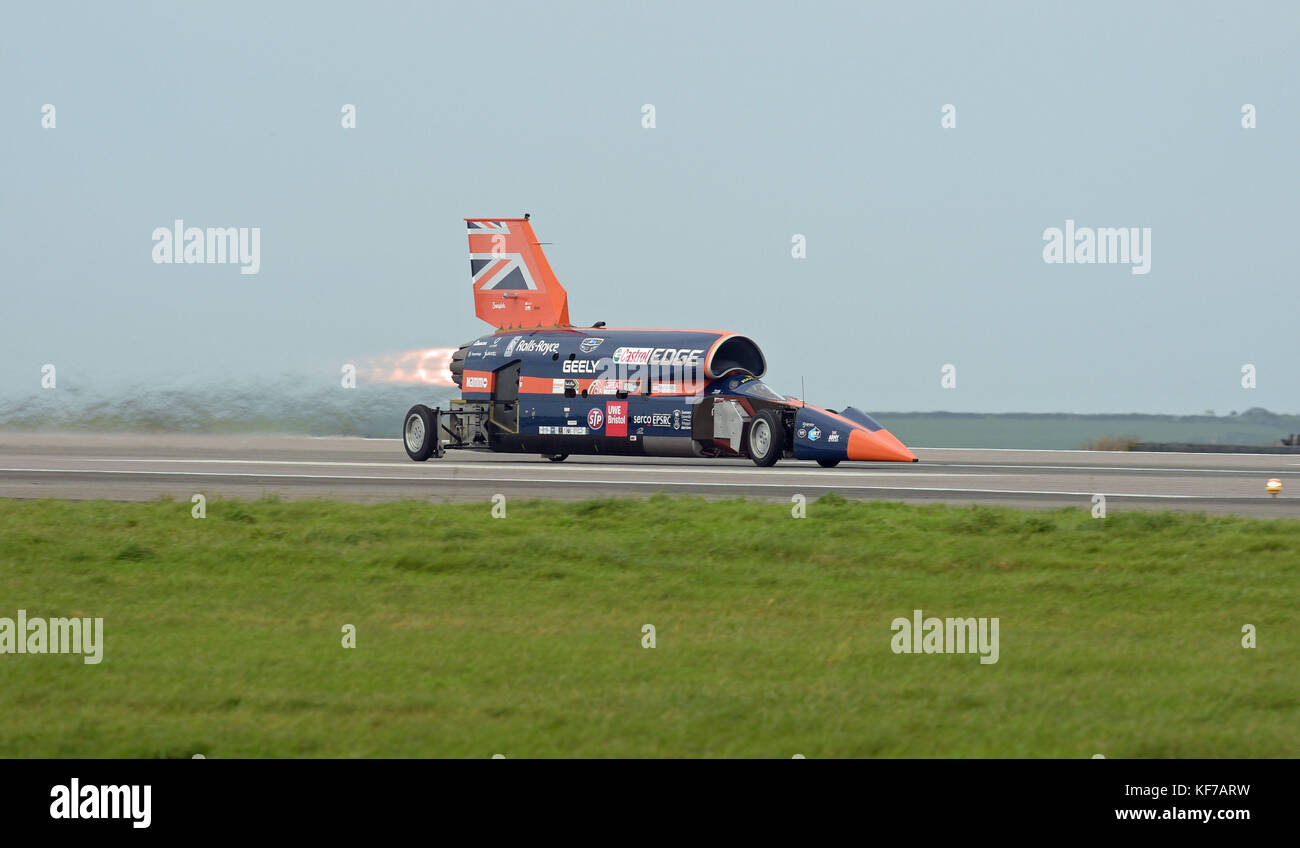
(538, 385)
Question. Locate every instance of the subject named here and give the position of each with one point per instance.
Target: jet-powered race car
(540, 385)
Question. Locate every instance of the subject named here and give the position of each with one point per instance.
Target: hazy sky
(924, 244)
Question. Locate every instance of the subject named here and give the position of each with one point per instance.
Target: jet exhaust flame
(429, 367)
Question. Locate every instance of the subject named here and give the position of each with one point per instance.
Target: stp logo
(595, 418)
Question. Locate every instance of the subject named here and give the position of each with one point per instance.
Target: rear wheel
(417, 433)
(766, 438)
(828, 463)
(556, 457)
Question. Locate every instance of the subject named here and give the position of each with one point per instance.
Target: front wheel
(766, 438)
(828, 463)
(417, 433)
(556, 457)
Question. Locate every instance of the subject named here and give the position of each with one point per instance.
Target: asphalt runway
(79, 466)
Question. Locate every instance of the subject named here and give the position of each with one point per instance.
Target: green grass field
(523, 636)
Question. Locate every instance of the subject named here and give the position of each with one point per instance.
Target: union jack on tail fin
(514, 286)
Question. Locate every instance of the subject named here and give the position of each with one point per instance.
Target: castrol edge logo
(657, 356)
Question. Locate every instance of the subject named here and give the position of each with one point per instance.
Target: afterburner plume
(429, 366)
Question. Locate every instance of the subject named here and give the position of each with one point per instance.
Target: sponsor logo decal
(562, 431)
(633, 355)
(657, 356)
(607, 386)
(479, 343)
(616, 418)
(557, 386)
(595, 418)
(814, 434)
(670, 356)
(803, 431)
(476, 382)
(522, 345)
(579, 366)
(588, 345)
(656, 419)
(834, 436)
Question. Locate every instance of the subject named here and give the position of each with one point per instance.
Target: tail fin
(514, 286)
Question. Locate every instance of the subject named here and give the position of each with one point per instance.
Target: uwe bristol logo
(595, 418)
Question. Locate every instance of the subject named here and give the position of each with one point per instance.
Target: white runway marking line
(577, 469)
(540, 480)
(1109, 468)
(695, 470)
(1092, 453)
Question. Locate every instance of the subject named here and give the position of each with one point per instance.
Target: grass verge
(523, 635)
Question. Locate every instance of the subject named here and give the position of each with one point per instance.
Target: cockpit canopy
(739, 384)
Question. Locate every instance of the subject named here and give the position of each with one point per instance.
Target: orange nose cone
(878, 446)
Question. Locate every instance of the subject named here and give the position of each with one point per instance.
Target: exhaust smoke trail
(429, 367)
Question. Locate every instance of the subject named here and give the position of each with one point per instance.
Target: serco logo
(595, 418)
